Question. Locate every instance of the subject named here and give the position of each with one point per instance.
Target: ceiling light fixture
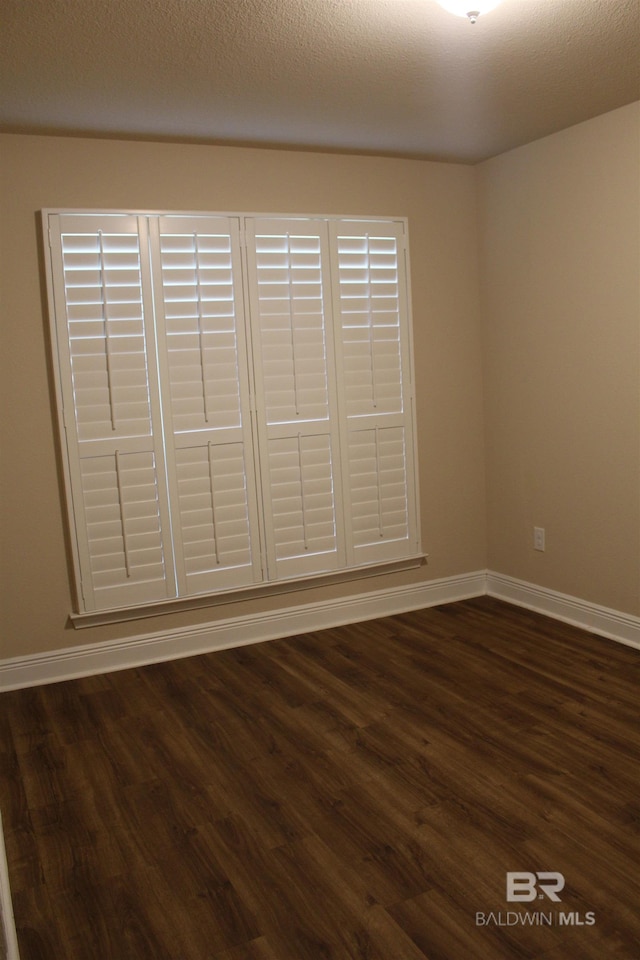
(469, 8)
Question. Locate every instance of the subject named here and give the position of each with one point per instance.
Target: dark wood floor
(353, 794)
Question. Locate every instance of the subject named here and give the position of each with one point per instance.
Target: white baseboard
(623, 627)
(91, 659)
(9, 944)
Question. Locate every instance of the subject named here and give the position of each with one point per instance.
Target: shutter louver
(105, 344)
(292, 329)
(296, 396)
(302, 505)
(201, 337)
(214, 516)
(370, 327)
(378, 485)
(103, 290)
(123, 527)
(375, 373)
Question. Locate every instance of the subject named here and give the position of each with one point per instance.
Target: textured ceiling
(399, 77)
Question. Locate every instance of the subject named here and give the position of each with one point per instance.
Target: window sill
(119, 615)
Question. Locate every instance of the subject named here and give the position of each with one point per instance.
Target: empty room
(320, 473)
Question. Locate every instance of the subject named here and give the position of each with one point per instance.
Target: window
(235, 400)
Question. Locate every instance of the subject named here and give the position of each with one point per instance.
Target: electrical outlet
(538, 538)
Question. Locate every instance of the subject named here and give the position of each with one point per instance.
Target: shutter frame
(370, 249)
(130, 586)
(301, 446)
(193, 244)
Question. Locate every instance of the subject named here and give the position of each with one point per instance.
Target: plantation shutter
(296, 400)
(236, 400)
(375, 375)
(203, 361)
(111, 415)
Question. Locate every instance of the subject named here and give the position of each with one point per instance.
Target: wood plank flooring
(352, 794)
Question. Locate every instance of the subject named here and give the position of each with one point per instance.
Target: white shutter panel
(295, 395)
(203, 362)
(207, 452)
(375, 372)
(104, 336)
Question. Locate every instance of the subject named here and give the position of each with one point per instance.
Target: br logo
(525, 886)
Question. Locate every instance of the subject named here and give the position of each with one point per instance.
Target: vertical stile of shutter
(202, 351)
(374, 363)
(106, 375)
(296, 396)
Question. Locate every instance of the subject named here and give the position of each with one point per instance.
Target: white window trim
(353, 569)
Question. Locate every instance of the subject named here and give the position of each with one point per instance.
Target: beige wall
(439, 200)
(548, 338)
(560, 268)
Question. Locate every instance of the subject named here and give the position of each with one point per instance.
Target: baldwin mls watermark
(525, 887)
